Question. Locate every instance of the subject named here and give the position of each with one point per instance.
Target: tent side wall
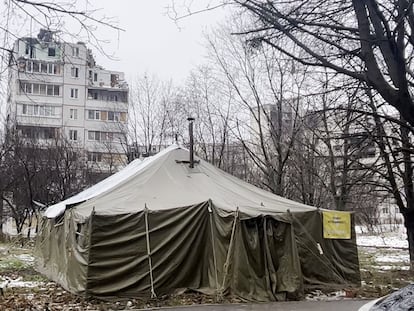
(194, 248)
(61, 252)
(334, 263)
(119, 262)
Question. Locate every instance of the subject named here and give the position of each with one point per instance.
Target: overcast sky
(152, 42)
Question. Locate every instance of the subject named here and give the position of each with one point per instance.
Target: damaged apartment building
(58, 93)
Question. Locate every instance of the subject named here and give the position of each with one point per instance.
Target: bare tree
(267, 120)
(37, 172)
(369, 41)
(204, 99)
(152, 114)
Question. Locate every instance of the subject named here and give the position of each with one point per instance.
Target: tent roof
(160, 182)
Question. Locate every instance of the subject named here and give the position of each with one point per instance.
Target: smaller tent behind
(159, 226)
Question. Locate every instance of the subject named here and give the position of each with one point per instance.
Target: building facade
(357, 163)
(58, 93)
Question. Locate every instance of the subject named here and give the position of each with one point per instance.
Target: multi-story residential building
(272, 119)
(57, 92)
(352, 149)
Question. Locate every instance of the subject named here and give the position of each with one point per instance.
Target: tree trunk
(1, 219)
(409, 225)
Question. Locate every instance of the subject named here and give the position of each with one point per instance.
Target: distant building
(57, 92)
(271, 120)
(365, 166)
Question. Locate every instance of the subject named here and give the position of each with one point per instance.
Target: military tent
(159, 227)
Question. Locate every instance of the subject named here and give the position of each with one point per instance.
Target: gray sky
(152, 42)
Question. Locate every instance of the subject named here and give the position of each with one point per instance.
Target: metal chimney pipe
(190, 130)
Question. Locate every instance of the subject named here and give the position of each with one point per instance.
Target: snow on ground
(10, 283)
(26, 258)
(393, 258)
(394, 238)
(387, 268)
(383, 250)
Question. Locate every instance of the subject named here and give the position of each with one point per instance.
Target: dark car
(401, 300)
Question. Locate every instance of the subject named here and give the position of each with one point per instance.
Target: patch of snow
(317, 295)
(393, 258)
(9, 283)
(396, 240)
(383, 228)
(386, 268)
(25, 258)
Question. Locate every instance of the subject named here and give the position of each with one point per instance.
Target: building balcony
(39, 121)
(31, 98)
(106, 105)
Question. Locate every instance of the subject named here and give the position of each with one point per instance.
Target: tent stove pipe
(190, 129)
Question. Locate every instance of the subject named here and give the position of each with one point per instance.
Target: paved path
(339, 305)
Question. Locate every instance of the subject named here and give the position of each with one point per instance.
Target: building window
(30, 50)
(95, 77)
(94, 157)
(43, 68)
(36, 67)
(51, 52)
(113, 116)
(73, 134)
(48, 68)
(21, 66)
(38, 132)
(94, 135)
(52, 90)
(40, 89)
(74, 93)
(56, 69)
(100, 136)
(26, 87)
(49, 90)
(108, 136)
(38, 110)
(123, 116)
(73, 114)
(112, 98)
(94, 115)
(75, 51)
(74, 71)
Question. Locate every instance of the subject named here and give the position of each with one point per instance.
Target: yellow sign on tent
(336, 225)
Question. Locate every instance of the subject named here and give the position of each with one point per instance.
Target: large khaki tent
(159, 227)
